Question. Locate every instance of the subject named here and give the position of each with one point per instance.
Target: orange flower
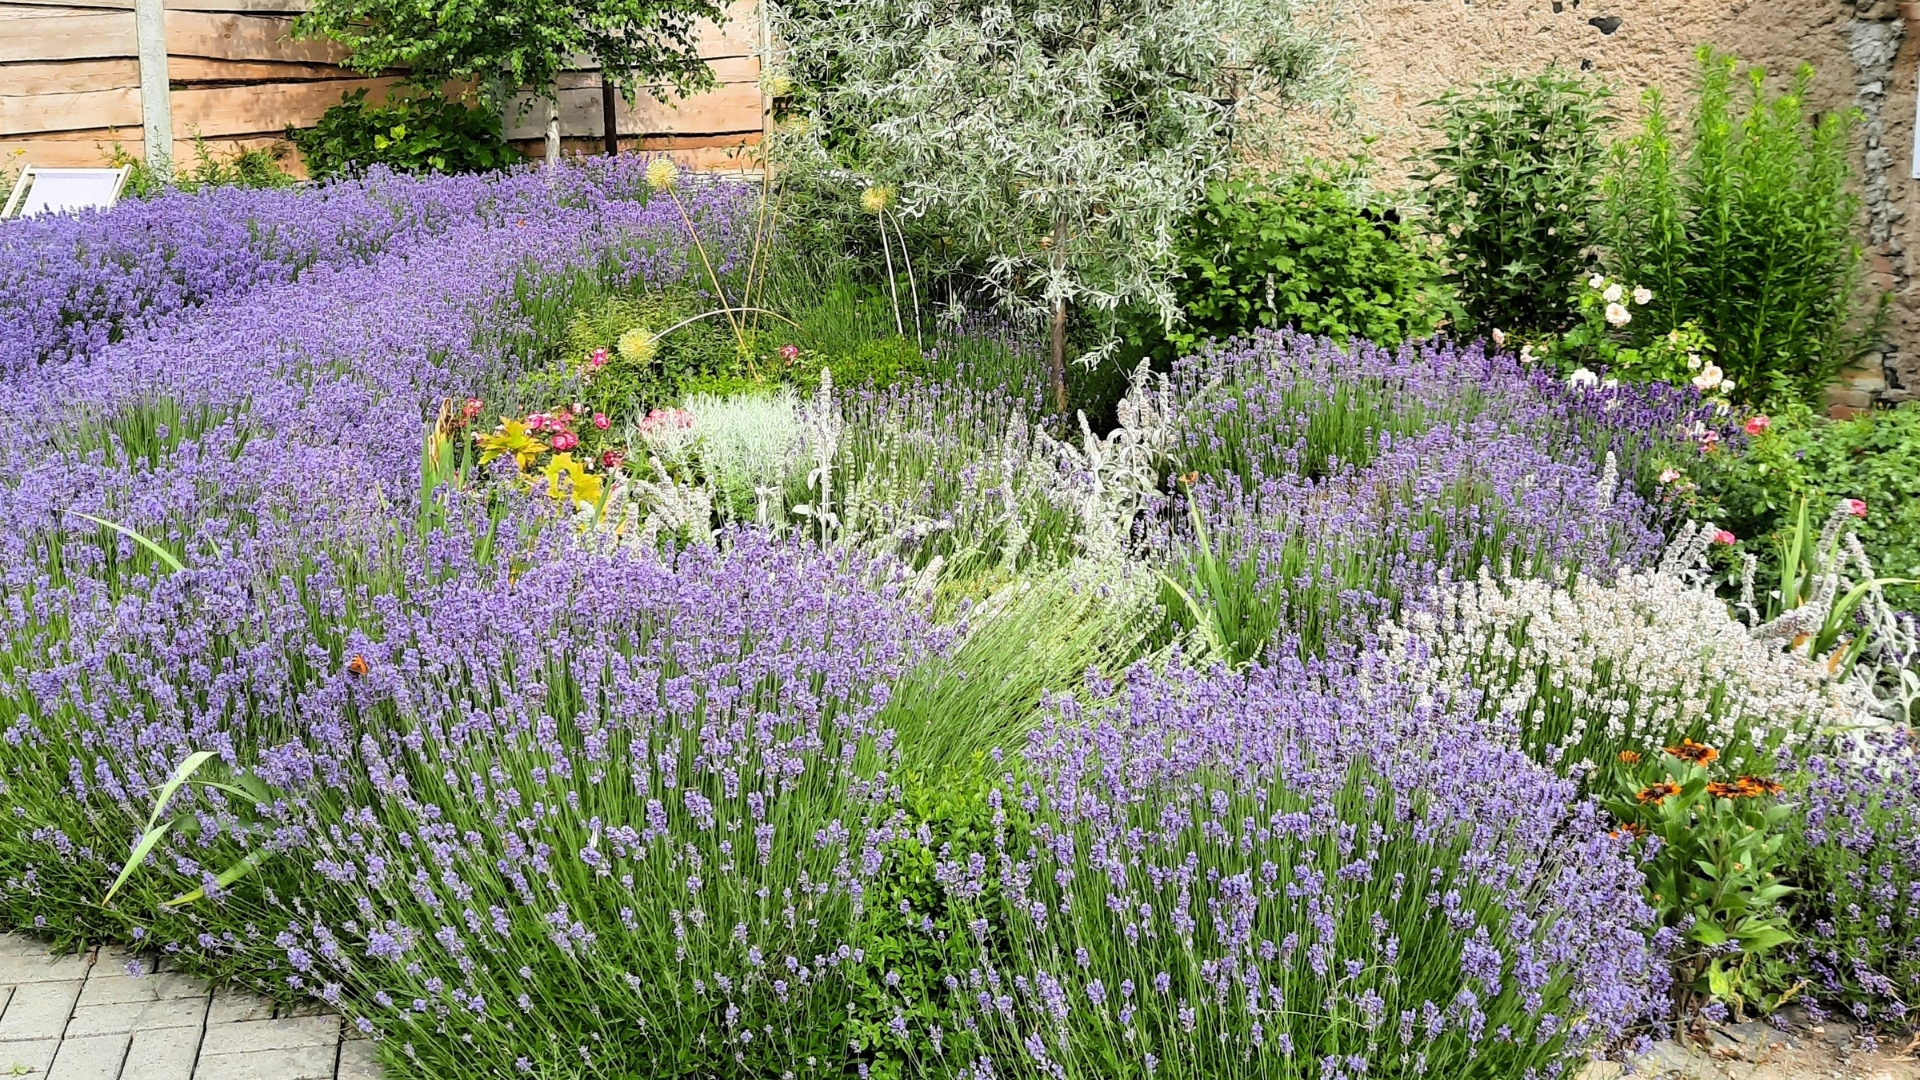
(1693, 752)
(1726, 791)
(1651, 795)
(1754, 785)
(1632, 830)
(1630, 757)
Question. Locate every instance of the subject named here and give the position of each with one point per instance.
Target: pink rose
(566, 440)
(1758, 424)
(1856, 507)
(536, 422)
(1723, 537)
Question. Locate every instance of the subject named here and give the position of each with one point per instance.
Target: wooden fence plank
(69, 37)
(730, 108)
(67, 77)
(258, 6)
(244, 37)
(69, 112)
(268, 109)
(76, 76)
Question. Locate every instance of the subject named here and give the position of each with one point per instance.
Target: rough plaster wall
(1408, 51)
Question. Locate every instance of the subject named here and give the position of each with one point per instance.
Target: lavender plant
(1857, 857)
(1295, 869)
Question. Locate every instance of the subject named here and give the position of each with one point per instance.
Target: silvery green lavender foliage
(1858, 859)
(1291, 870)
(1060, 142)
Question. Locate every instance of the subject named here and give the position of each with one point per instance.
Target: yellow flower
(875, 198)
(510, 439)
(638, 346)
(569, 479)
(661, 173)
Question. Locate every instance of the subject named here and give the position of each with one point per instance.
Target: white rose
(1582, 377)
(1642, 294)
(1614, 293)
(1596, 281)
(1617, 315)
(1499, 336)
(1709, 377)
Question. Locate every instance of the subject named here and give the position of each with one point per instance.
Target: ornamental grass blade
(164, 555)
(226, 877)
(154, 831)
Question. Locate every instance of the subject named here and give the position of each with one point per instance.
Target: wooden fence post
(156, 104)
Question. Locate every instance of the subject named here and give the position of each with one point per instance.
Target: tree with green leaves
(507, 44)
(1060, 142)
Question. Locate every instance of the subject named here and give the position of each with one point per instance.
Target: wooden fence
(70, 85)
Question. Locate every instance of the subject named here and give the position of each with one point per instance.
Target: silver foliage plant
(1059, 142)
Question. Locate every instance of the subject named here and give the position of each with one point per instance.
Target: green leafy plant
(255, 167)
(650, 44)
(1748, 233)
(420, 131)
(1794, 455)
(1511, 189)
(1713, 876)
(1601, 339)
(1305, 251)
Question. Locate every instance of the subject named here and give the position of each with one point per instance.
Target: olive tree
(1060, 141)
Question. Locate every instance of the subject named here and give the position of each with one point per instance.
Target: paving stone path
(84, 1018)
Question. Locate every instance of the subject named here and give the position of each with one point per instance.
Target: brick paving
(84, 1018)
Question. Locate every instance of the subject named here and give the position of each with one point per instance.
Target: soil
(1754, 1051)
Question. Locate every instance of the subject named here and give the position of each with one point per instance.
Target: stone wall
(1408, 51)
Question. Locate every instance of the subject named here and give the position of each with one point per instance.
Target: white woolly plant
(1109, 479)
(1059, 142)
(1575, 671)
(744, 446)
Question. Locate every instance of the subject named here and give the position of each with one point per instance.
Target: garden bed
(465, 616)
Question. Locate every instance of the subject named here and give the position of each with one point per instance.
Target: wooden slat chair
(57, 190)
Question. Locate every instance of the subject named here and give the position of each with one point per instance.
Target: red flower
(612, 459)
(600, 421)
(565, 440)
(472, 408)
(789, 353)
(1758, 424)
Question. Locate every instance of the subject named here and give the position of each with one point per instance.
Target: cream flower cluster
(1577, 670)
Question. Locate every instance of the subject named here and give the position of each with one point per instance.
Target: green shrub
(422, 131)
(1511, 188)
(1874, 457)
(879, 362)
(1303, 251)
(1749, 233)
(258, 167)
(701, 355)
